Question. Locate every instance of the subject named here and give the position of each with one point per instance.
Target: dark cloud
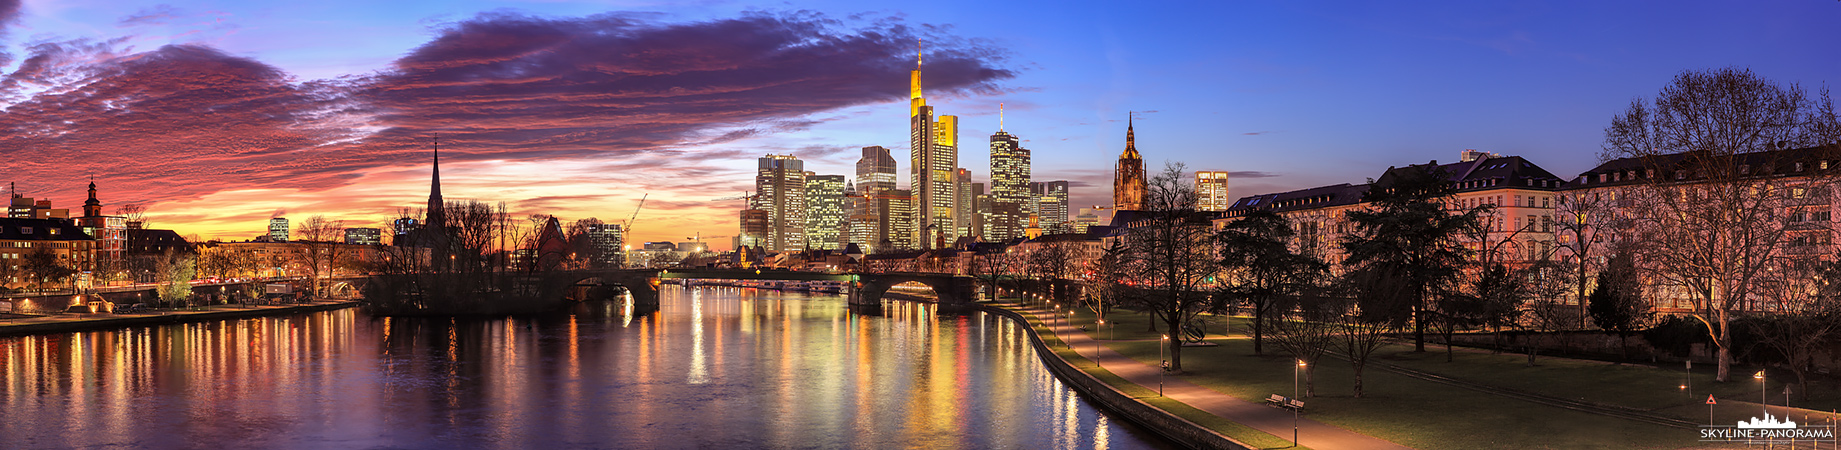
(183, 121)
(1250, 174)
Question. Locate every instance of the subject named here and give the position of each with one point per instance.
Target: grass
(1432, 416)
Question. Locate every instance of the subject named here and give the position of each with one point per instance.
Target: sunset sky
(217, 115)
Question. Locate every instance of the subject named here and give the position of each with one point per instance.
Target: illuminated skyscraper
(1051, 205)
(933, 147)
(1010, 198)
(875, 171)
(780, 183)
(965, 205)
(1211, 191)
(278, 229)
(1128, 180)
(753, 229)
(824, 198)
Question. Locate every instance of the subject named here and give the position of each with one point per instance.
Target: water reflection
(713, 367)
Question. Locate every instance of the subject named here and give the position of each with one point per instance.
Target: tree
(1260, 267)
(318, 248)
(1306, 324)
(1617, 303)
(1712, 151)
(1383, 297)
(1170, 243)
(1104, 281)
(176, 270)
(1809, 320)
(46, 267)
(1408, 229)
(1581, 219)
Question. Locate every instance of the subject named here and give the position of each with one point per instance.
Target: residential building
(64, 241)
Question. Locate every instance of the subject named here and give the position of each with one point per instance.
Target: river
(714, 367)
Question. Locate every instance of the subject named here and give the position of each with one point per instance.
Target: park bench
(1287, 403)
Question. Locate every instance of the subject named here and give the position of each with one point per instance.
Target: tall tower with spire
(436, 214)
(934, 151)
(1128, 179)
(92, 207)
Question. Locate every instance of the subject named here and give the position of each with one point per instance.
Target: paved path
(1278, 422)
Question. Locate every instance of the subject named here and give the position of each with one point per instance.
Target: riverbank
(1165, 415)
(66, 323)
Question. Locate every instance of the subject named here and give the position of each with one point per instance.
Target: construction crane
(744, 197)
(629, 220)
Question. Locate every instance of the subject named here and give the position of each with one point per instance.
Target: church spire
(1131, 139)
(436, 214)
(92, 207)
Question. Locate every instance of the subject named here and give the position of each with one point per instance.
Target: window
(1517, 200)
(1681, 174)
(1603, 177)
(1546, 202)
(1799, 166)
(1649, 173)
(1546, 224)
(1745, 169)
(25, 230)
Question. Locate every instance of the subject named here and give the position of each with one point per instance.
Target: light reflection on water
(714, 367)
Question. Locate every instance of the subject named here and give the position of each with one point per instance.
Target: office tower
(1128, 180)
(966, 204)
(753, 229)
(1051, 205)
(363, 236)
(1010, 198)
(1211, 191)
(933, 147)
(824, 197)
(780, 184)
(981, 212)
(607, 239)
(890, 221)
(876, 171)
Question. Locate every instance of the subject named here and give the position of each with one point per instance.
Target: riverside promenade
(15, 324)
(1275, 421)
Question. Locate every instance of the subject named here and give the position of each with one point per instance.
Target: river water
(714, 367)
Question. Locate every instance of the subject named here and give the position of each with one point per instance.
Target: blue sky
(1293, 94)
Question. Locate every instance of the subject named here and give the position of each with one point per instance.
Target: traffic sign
(1710, 400)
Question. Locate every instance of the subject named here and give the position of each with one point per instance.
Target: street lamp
(1101, 323)
(1164, 366)
(1761, 404)
(1294, 398)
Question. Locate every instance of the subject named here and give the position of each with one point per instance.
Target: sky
(217, 115)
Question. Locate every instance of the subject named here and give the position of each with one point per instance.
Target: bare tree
(1809, 317)
(1261, 268)
(1718, 156)
(318, 248)
(133, 213)
(1382, 302)
(1172, 245)
(1307, 324)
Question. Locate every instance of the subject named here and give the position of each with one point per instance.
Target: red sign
(1710, 400)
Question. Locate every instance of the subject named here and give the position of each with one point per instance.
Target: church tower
(92, 207)
(1128, 180)
(436, 214)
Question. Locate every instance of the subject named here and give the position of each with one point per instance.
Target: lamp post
(1096, 363)
(1163, 366)
(1294, 397)
(1765, 407)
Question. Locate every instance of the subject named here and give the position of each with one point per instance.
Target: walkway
(13, 324)
(1278, 422)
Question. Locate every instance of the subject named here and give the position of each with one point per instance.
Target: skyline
(338, 123)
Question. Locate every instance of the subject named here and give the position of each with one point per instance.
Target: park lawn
(1411, 412)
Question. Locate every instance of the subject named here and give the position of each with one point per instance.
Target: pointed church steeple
(436, 214)
(1131, 141)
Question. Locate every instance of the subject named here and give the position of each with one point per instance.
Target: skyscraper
(1052, 205)
(824, 198)
(607, 240)
(1211, 191)
(1128, 180)
(1010, 198)
(876, 171)
(965, 204)
(933, 147)
(780, 183)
